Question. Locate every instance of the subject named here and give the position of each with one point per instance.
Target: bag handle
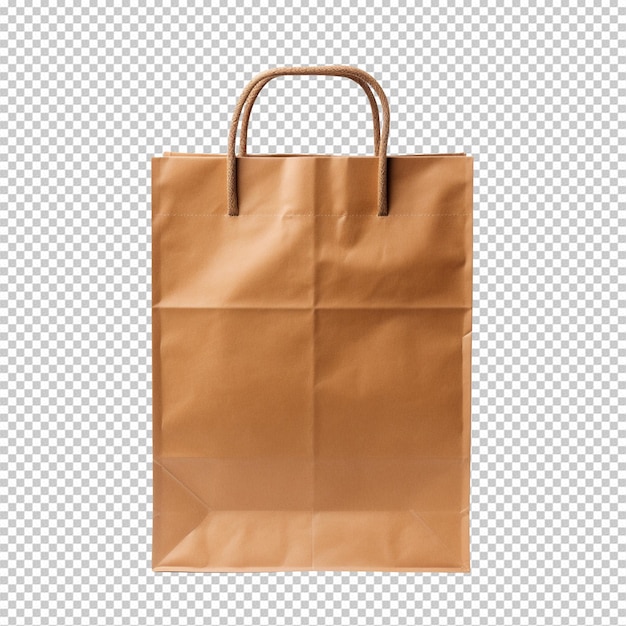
(245, 119)
(318, 70)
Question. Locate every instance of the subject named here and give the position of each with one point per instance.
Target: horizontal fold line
(316, 306)
(342, 459)
(335, 510)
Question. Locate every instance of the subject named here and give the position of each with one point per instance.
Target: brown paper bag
(311, 356)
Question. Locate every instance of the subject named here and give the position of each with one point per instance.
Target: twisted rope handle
(318, 70)
(245, 119)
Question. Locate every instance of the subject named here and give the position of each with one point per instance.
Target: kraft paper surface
(311, 364)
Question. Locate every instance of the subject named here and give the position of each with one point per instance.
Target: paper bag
(312, 321)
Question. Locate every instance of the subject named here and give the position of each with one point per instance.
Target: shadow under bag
(311, 320)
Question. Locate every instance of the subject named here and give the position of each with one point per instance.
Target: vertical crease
(313, 316)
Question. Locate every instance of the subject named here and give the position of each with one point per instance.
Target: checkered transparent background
(91, 90)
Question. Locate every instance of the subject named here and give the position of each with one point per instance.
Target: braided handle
(317, 70)
(245, 119)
